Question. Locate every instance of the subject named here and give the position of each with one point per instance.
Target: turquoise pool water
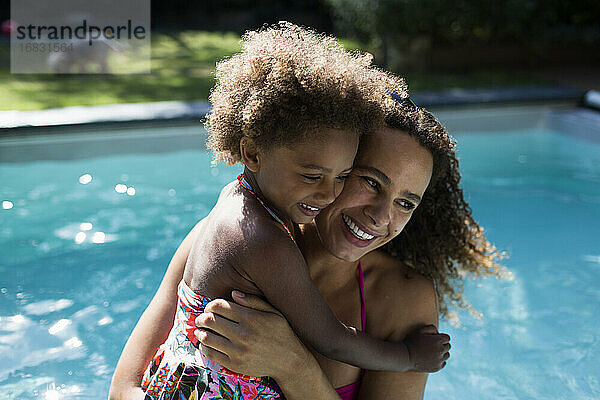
(84, 243)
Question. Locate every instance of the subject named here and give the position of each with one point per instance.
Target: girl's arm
(253, 338)
(244, 336)
(289, 362)
(151, 330)
(277, 267)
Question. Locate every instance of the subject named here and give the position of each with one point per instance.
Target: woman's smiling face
(390, 174)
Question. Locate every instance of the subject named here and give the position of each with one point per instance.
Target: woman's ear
(249, 153)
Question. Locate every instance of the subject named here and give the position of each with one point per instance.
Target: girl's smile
(309, 210)
(302, 179)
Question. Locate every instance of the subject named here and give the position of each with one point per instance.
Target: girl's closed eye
(311, 178)
(315, 178)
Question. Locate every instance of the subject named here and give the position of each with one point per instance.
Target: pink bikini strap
(363, 307)
(350, 392)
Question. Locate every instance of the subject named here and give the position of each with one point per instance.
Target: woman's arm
(151, 330)
(255, 339)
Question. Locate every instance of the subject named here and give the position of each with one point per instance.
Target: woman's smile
(357, 233)
(390, 175)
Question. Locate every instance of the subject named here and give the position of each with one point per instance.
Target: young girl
(291, 107)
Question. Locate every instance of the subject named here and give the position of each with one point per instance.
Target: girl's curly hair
(442, 240)
(287, 82)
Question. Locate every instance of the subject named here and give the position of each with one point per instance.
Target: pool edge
(172, 111)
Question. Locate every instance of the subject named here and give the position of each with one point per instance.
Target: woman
(393, 167)
(405, 170)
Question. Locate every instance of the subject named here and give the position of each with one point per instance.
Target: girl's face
(390, 174)
(302, 179)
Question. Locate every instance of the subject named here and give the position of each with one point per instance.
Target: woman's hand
(253, 338)
(250, 337)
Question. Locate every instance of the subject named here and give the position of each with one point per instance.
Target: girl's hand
(250, 337)
(428, 350)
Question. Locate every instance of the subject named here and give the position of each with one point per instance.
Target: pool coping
(14, 122)
(61, 142)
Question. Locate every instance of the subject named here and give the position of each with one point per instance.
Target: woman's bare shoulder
(389, 274)
(398, 298)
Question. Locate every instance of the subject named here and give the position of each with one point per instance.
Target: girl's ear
(249, 153)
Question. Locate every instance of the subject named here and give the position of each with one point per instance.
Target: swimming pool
(88, 224)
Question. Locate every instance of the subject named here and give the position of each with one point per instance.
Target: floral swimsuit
(180, 371)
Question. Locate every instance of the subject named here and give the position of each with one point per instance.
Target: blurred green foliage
(414, 26)
(182, 69)
(452, 21)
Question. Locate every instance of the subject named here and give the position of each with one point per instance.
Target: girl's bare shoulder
(245, 225)
(234, 243)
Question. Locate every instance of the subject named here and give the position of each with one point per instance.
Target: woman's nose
(379, 212)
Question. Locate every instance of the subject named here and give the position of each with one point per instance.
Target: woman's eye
(371, 182)
(342, 177)
(406, 205)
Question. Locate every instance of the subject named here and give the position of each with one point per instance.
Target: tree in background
(401, 30)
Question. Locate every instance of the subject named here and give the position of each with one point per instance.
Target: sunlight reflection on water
(82, 259)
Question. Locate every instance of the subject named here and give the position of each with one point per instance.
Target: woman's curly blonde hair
(287, 82)
(442, 240)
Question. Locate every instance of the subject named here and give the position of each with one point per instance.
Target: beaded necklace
(247, 186)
